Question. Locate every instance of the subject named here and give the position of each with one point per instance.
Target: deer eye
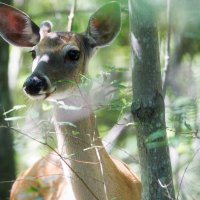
(33, 54)
(73, 55)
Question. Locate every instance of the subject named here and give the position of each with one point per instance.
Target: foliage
(110, 83)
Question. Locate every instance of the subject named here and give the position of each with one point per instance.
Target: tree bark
(148, 107)
(7, 164)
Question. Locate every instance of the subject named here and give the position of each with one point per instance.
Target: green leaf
(188, 126)
(32, 189)
(66, 107)
(116, 69)
(14, 118)
(86, 82)
(17, 107)
(155, 136)
(46, 107)
(66, 81)
(155, 145)
(118, 84)
(67, 123)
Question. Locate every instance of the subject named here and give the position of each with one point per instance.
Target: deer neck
(81, 147)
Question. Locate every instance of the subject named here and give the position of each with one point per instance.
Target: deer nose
(35, 85)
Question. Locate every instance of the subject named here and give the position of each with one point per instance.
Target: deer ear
(45, 28)
(17, 28)
(104, 24)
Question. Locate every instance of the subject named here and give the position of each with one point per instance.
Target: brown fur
(45, 179)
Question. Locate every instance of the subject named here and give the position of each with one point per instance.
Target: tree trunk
(148, 105)
(7, 164)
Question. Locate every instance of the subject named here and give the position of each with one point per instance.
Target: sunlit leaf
(14, 118)
(16, 107)
(116, 69)
(155, 136)
(188, 126)
(66, 123)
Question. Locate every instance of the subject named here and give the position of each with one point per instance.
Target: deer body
(82, 170)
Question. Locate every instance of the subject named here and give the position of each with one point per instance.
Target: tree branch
(71, 16)
(167, 53)
(115, 132)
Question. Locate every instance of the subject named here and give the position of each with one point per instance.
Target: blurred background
(25, 125)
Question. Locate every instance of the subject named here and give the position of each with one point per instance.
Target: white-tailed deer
(82, 170)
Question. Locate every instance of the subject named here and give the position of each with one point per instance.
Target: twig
(178, 193)
(71, 16)
(60, 156)
(167, 53)
(73, 171)
(164, 186)
(116, 131)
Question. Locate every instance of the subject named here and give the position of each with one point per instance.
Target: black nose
(35, 84)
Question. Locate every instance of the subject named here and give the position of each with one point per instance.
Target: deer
(80, 168)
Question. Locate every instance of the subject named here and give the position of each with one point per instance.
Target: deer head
(59, 58)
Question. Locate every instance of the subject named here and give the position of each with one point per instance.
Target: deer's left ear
(17, 28)
(104, 25)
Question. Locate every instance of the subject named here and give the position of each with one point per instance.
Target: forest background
(111, 84)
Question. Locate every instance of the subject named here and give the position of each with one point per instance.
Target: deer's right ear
(17, 28)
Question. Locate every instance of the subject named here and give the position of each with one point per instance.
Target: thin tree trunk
(7, 165)
(148, 105)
